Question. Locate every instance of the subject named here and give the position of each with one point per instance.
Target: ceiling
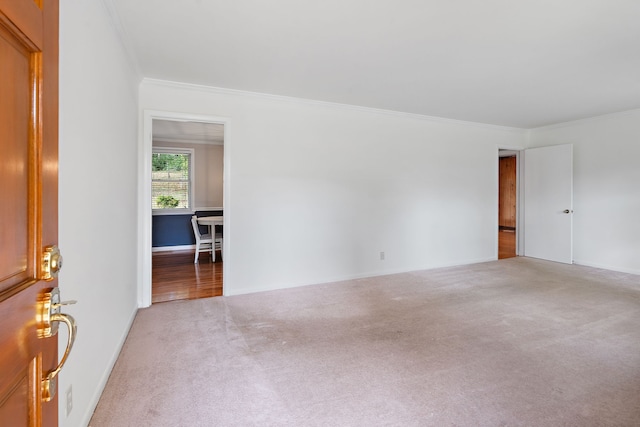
(187, 131)
(524, 64)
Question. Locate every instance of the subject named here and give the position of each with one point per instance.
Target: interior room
(360, 188)
(180, 191)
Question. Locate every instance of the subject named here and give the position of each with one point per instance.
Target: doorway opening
(507, 204)
(184, 171)
(187, 169)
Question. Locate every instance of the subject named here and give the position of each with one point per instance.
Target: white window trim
(192, 174)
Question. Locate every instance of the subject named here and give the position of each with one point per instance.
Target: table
(211, 221)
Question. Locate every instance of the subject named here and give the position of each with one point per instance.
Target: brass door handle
(50, 382)
(48, 318)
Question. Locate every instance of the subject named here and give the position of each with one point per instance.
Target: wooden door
(507, 194)
(28, 209)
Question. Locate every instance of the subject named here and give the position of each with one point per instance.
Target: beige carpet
(518, 342)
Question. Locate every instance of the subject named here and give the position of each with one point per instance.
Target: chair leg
(197, 252)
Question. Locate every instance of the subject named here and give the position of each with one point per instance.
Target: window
(171, 183)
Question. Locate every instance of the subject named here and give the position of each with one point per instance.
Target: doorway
(187, 170)
(507, 204)
(208, 195)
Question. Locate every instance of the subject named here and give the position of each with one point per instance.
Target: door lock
(51, 262)
(48, 319)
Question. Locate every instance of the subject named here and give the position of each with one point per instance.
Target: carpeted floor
(517, 342)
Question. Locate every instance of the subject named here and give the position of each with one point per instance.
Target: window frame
(191, 181)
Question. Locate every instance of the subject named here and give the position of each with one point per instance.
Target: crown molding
(334, 105)
(586, 120)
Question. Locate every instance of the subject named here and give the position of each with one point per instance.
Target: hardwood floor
(174, 276)
(506, 244)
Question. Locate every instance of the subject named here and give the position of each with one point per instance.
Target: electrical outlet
(381, 256)
(69, 400)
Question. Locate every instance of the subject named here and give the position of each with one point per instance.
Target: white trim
(585, 120)
(144, 201)
(192, 211)
(243, 291)
(335, 105)
(606, 267)
(173, 248)
(162, 212)
(192, 173)
(513, 151)
(520, 203)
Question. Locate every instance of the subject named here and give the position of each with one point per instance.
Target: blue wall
(175, 230)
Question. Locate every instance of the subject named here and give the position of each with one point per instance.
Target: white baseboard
(173, 248)
(606, 267)
(241, 291)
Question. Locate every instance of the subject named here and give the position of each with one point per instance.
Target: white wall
(317, 191)
(98, 198)
(606, 191)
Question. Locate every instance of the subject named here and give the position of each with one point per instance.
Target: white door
(548, 203)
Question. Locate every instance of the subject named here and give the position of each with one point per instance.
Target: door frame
(517, 151)
(144, 199)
